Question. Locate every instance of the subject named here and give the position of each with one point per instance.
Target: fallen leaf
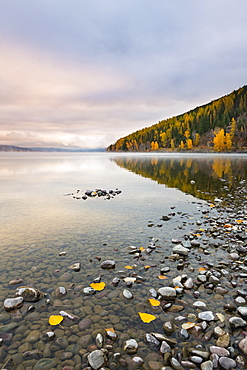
(142, 249)
(201, 269)
(220, 317)
(147, 267)
(227, 225)
(201, 229)
(128, 267)
(211, 205)
(110, 329)
(188, 325)
(146, 317)
(55, 319)
(98, 286)
(239, 221)
(154, 302)
(162, 277)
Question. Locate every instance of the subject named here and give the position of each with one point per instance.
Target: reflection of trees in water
(208, 173)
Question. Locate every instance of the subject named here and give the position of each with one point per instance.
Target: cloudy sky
(83, 73)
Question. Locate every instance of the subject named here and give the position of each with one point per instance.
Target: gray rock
(179, 249)
(199, 304)
(127, 294)
(13, 303)
(84, 324)
(219, 351)
(165, 347)
(227, 363)
(243, 346)
(45, 364)
(153, 342)
(97, 359)
(207, 316)
(242, 310)
(60, 292)
(207, 365)
(167, 292)
(29, 294)
(237, 322)
(130, 346)
(76, 266)
(189, 283)
(88, 290)
(108, 264)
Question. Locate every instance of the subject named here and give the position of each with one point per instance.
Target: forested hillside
(220, 125)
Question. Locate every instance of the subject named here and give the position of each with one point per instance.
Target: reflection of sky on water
(33, 205)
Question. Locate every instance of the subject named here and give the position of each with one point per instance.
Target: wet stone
(207, 316)
(13, 303)
(243, 346)
(242, 310)
(219, 351)
(29, 294)
(130, 346)
(84, 324)
(108, 264)
(207, 365)
(237, 322)
(60, 292)
(16, 281)
(227, 363)
(45, 364)
(167, 292)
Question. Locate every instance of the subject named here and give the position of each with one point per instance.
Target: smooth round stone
(62, 342)
(127, 294)
(29, 294)
(164, 347)
(60, 292)
(243, 346)
(179, 249)
(108, 264)
(237, 322)
(45, 364)
(207, 365)
(67, 276)
(16, 281)
(167, 292)
(219, 351)
(8, 327)
(97, 359)
(13, 303)
(242, 310)
(169, 327)
(130, 346)
(33, 336)
(207, 316)
(199, 304)
(196, 359)
(84, 324)
(224, 341)
(189, 283)
(155, 365)
(227, 363)
(87, 339)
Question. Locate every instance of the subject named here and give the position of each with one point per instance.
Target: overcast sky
(87, 72)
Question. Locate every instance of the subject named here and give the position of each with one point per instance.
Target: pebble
(167, 292)
(13, 303)
(227, 363)
(130, 346)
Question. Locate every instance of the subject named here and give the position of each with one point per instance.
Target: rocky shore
(173, 307)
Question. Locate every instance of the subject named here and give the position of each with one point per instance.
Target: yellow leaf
(97, 286)
(221, 317)
(227, 225)
(201, 229)
(142, 249)
(146, 267)
(201, 269)
(55, 319)
(239, 221)
(110, 329)
(128, 267)
(162, 277)
(212, 205)
(188, 325)
(146, 317)
(154, 302)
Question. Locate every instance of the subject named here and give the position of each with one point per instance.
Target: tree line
(220, 125)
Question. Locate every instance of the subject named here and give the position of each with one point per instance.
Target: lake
(155, 200)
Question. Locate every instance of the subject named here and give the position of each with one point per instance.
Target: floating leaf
(110, 329)
(211, 205)
(146, 317)
(98, 286)
(239, 221)
(147, 267)
(201, 229)
(220, 317)
(188, 325)
(131, 279)
(142, 249)
(162, 277)
(154, 302)
(55, 319)
(227, 225)
(201, 269)
(128, 267)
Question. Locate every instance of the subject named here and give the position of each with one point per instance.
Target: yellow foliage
(146, 317)
(55, 319)
(98, 286)
(154, 302)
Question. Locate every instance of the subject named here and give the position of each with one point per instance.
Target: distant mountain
(12, 148)
(221, 124)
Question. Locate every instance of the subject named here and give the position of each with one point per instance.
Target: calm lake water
(38, 220)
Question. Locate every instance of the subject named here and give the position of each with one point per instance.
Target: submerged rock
(13, 303)
(28, 294)
(97, 359)
(108, 264)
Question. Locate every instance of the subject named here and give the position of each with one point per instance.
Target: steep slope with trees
(220, 125)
